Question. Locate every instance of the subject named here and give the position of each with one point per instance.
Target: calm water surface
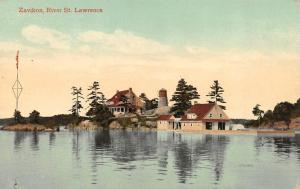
(127, 160)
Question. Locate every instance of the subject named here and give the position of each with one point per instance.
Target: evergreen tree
(257, 112)
(95, 97)
(182, 97)
(34, 117)
(77, 96)
(216, 94)
(102, 115)
(18, 117)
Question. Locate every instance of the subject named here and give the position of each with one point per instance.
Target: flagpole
(17, 87)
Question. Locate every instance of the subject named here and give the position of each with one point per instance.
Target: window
(210, 115)
(191, 124)
(221, 115)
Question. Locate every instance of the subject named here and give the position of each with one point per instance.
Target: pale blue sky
(246, 24)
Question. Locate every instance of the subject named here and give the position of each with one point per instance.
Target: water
(127, 160)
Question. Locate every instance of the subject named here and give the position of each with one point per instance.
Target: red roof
(115, 100)
(164, 117)
(200, 110)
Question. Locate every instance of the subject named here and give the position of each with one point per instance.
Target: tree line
(283, 111)
(185, 93)
(98, 112)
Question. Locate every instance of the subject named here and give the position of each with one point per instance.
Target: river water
(130, 159)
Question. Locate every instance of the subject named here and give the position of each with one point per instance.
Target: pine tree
(34, 117)
(95, 97)
(216, 94)
(257, 112)
(77, 96)
(182, 97)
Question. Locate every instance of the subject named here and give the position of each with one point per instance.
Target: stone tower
(163, 98)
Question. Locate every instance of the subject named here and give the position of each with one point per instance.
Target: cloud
(123, 42)
(45, 36)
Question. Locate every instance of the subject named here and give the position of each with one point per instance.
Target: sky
(251, 46)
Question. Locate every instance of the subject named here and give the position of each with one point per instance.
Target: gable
(216, 113)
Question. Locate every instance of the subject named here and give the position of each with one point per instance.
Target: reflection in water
(189, 153)
(166, 159)
(282, 146)
(19, 139)
(35, 141)
(52, 138)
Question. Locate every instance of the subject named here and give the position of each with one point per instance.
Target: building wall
(192, 126)
(163, 125)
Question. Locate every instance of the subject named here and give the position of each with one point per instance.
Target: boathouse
(205, 117)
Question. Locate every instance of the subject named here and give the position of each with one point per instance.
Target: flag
(17, 59)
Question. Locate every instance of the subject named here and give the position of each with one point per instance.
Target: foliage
(95, 97)
(18, 118)
(182, 97)
(149, 104)
(102, 115)
(34, 117)
(296, 109)
(283, 112)
(268, 117)
(216, 94)
(77, 95)
(257, 112)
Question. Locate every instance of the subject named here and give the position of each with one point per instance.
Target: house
(168, 122)
(205, 117)
(124, 101)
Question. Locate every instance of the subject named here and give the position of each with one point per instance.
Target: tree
(269, 117)
(77, 96)
(102, 115)
(216, 94)
(283, 112)
(149, 104)
(296, 109)
(182, 97)
(125, 102)
(34, 117)
(95, 97)
(257, 112)
(18, 117)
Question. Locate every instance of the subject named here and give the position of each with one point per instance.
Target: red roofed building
(165, 122)
(124, 101)
(205, 117)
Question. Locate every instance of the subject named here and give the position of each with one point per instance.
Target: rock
(151, 123)
(26, 127)
(115, 125)
(134, 120)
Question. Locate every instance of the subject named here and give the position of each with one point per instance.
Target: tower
(163, 98)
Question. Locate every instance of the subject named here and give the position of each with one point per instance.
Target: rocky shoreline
(27, 127)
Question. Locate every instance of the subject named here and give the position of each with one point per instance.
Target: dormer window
(191, 116)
